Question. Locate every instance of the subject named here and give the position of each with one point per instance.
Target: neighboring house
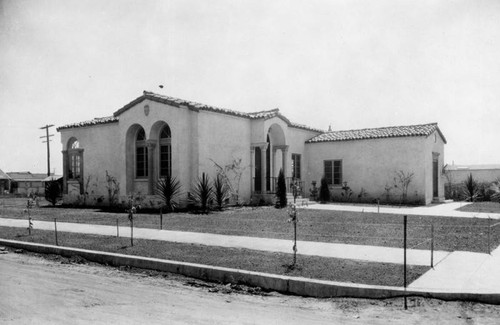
(5, 181)
(27, 183)
(154, 136)
(457, 174)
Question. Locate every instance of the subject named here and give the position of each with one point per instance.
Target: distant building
(27, 183)
(5, 181)
(482, 173)
(154, 136)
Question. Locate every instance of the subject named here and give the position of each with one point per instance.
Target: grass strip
(313, 267)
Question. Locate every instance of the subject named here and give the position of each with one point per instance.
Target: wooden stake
(55, 228)
(404, 277)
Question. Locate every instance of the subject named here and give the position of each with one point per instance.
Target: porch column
(284, 152)
(263, 164)
(151, 144)
(65, 171)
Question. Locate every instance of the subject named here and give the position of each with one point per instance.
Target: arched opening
(73, 167)
(141, 154)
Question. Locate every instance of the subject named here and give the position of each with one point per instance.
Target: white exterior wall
(100, 144)
(224, 138)
(372, 164)
(180, 122)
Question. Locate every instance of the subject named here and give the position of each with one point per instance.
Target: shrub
(221, 192)
(202, 195)
(52, 191)
(471, 189)
(281, 191)
(169, 189)
(324, 191)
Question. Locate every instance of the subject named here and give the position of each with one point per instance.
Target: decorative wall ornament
(146, 110)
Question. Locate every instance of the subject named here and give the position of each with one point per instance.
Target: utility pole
(47, 139)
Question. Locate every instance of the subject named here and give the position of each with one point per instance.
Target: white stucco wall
(372, 164)
(224, 138)
(100, 144)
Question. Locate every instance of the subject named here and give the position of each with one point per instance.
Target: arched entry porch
(268, 158)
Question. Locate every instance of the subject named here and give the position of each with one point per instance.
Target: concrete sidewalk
(346, 251)
(443, 210)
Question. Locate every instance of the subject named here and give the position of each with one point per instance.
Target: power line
(47, 140)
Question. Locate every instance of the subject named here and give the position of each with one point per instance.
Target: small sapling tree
(132, 210)
(113, 187)
(231, 175)
(29, 206)
(402, 182)
(293, 214)
(281, 191)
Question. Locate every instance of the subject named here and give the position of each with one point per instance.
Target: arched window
(165, 152)
(75, 158)
(141, 155)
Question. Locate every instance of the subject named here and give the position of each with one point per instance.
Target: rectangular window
(333, 172)
(142, 162)
(295, 165)
(165, 161)
(74, 167)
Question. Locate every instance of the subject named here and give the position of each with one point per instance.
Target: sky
(348, 64)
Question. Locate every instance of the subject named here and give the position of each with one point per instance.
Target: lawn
(469, 234)
(275, 263)
(483, 207)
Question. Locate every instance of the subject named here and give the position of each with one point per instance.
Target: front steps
(299, 200)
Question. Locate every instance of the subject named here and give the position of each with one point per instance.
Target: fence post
(404, 277)
(489, 230)
(55, 227)
(117, 229)
(161, 218)
(432, 245)
(378, 206)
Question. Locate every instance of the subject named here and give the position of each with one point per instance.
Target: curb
(271, 282)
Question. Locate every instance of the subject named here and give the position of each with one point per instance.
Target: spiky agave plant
(202, 195)
(169, 189)
(471, 188)
(221, 192)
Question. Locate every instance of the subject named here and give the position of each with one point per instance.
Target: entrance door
(435, 180)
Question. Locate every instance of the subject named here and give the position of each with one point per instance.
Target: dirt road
(55, 290)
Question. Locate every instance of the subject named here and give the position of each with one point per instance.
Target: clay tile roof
(377, 133)
(95, 121)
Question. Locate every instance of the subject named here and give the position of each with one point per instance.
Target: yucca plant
(169, 189)
(221, 192)
(202, 195)
(471, 189)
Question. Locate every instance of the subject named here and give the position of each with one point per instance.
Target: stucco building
(155, 135)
